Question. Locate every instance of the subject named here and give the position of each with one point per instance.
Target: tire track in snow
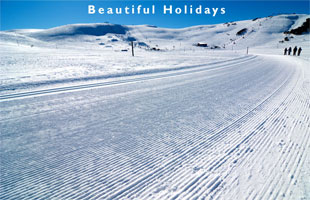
(122, 193)
(259, 130)
(217, 65)
(288, 163)
(85, 163)
(203, 186)
(217, 163)
(287, 160)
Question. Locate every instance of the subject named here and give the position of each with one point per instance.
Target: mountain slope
(258, 32)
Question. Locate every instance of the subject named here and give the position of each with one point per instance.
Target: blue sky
(48, 14)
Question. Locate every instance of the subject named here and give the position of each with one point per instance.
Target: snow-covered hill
(91, 51)
(238, 35)
(80, 118)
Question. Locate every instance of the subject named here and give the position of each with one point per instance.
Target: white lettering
(167, 9)
(101, 11)
(214, 11)
(178, 11)
(91, 9)
(110, 11)
(223, 11)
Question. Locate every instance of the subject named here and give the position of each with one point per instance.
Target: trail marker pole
(132, 51)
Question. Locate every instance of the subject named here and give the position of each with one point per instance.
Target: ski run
(80, 118)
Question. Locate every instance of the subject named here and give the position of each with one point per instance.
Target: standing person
(285, 51)
(289, 51)
(294, 51)
(299, 51)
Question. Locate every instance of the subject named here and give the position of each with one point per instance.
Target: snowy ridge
(258, 32)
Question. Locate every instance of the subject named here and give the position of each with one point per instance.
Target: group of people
(287, 51)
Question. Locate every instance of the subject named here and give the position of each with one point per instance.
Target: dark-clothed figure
(289, 51)
(285, 51)
(294, 51)
(299, 51)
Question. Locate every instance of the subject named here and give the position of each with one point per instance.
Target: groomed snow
(79, 120)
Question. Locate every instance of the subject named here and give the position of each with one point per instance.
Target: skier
(299, 51)
(289, 51)
(295, 50)
(285, 51)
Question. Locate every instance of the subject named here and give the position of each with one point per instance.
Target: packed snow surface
(81, 118)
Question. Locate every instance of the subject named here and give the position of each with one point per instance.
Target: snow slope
(258, 32)
(91, 51)
(79, 120)
(234, 130)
